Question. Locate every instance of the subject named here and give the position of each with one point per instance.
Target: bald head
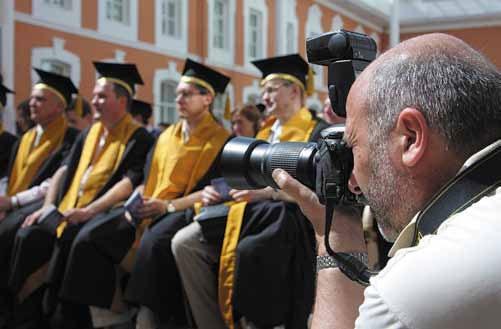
(454, 86)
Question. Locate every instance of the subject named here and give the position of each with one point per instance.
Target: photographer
(424, 124)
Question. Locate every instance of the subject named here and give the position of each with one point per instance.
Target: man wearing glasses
(183, 161)
(267, 236)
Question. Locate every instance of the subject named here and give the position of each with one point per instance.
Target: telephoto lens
(248, 163)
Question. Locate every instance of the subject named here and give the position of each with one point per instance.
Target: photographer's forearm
(337, 297)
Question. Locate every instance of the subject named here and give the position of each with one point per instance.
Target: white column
(394, 24)
(7, 21)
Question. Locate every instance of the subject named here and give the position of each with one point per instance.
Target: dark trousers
(155, 280)
(90, 274)
(8, 229)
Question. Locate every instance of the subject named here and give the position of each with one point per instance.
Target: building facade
(66, 36)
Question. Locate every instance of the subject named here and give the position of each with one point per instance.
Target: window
(65, 12)
(118, 11)
(171, 15)
(255, 34)
(171, 26)
(56, 59)
(167, 112)
(118, 18)
(220, 25)
(221, 31)
(64, 4)
(290, 35)
(286, 23)
(56, 66)
(255, 23)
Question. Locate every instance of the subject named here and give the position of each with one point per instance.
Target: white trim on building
(171, 25)
(56, 52)
(162, 75)
(66, 12)
(257, 33)
(7, 60)
(286, 27)
(337, 23)
(122, 25)
(226, 53)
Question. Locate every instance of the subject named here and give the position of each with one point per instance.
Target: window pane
(255, 34)
(220, 24)
(167, 106)
(290, 38)
(118, 10)
(56, 66)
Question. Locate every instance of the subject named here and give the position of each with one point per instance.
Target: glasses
(186, 94)
(272, 89)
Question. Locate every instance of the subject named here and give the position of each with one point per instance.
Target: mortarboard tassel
(79, 106)
(310, 82)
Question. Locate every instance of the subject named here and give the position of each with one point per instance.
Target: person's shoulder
(456, 269)
(142, 134)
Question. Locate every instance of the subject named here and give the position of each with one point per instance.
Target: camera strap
(351, 266)
(473, 183)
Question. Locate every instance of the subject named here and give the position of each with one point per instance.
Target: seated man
(274, 239)
(35, 158)
(183, 161)
(424, 125)
(102, 169)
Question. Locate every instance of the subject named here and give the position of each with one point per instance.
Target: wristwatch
(327, 261)
(170, 206)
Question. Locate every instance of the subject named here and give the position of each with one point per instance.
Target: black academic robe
(7, 142)
(275, 263)
(103, 244)
(34, 246)
(13, 220)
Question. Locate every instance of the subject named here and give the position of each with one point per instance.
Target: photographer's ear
(413, 133)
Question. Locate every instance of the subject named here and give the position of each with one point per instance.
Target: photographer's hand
(337, 298)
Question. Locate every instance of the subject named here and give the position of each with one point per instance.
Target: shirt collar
(406, 237)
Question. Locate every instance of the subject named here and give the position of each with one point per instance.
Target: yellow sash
(104, 165)
(29, 159)
(176, 167)
(297, 129)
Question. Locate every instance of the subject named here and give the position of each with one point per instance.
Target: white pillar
(394, 24)
(7, 69)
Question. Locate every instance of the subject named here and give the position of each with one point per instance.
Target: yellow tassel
(227, 109)
(310, 82)
(79, 106)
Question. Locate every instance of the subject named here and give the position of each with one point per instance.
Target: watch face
(170, 207)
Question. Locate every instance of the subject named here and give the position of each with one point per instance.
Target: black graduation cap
(4, 91)
(141, 108)
(289, 67)
(60, 85)
(125, 75)
(204, 76)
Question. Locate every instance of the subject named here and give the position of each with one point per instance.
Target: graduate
(103, 168)
(264, 264)
(184, 160)
(7, 140)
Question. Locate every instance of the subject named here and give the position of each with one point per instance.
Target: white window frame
(257, 6)
(119, 30)
(70, 17)
(314, 27)
(169, 74)
(57, 52)
(253, 89)
(285, 14)
(168, 42)
(216, 55)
